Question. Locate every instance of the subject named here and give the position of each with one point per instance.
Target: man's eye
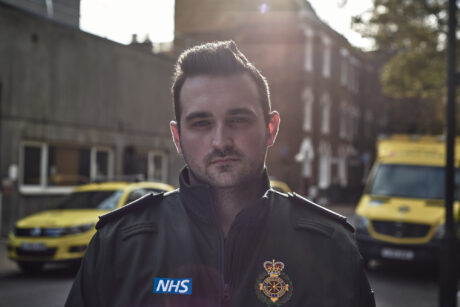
(200, 123)
(239, 120)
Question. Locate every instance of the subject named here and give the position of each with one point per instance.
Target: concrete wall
(62, 86)
(64, 11)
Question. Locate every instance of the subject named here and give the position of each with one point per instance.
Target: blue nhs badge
(173, 285)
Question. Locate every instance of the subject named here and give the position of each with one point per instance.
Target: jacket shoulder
(329, 214)
(139, 204)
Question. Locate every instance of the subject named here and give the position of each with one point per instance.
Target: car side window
(279, 189)
(135, 194)
(154, 191)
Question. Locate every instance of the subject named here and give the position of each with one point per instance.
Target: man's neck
(231, 201)
(228, 202)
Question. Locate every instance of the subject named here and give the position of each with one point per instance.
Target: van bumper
(371, 248)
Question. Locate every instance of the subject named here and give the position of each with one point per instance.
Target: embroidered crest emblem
(273, 287)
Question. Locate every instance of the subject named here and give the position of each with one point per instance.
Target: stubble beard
(233, 176)
(237, 174)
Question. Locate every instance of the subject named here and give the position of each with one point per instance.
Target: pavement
(8, 266)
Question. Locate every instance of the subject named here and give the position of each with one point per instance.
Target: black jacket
(309, 251)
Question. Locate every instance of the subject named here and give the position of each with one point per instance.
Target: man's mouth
(223, 161)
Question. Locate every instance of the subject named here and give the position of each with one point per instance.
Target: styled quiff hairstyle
(220, 58)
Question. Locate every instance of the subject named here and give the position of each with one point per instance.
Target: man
(224, 238)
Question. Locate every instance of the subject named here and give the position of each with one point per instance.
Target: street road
(404, 285)
(48, 289)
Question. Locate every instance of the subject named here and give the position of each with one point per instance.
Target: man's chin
(224, 180)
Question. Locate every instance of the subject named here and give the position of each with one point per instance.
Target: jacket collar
(198, 199)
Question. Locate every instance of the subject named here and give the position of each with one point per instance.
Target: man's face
(223, 133)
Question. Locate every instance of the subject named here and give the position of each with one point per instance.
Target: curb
(6, 265)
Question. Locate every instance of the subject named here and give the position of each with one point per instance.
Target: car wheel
(30, 267)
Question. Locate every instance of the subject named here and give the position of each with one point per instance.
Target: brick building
(326, 91)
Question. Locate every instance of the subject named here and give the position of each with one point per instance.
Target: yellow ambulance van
(401, 213)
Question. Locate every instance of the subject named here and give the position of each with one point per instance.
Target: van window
(411, 181)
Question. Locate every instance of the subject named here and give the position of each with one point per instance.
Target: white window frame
(306, 155)
(93, 162)
(349, 124)
(42, 187)
(308, 61)
(325, 114)
(342, 171)
(307, 98)
(151, 165)
(342, 165)
(355, 115)
(343, 119)
(325, 161)
(353, 82)
(356, 81)
(351, 75)
(327, 55)
(344, 66)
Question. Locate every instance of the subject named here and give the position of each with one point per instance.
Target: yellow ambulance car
(401, 213)
(63, 233)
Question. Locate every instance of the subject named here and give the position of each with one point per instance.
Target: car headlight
(78, 229)
(440, 232)
(63, 231)
(361, 223)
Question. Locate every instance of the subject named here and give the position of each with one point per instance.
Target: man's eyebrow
(240, 111)
(194, 115)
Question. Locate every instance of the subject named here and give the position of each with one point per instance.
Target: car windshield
(412, 181)
(102, 200)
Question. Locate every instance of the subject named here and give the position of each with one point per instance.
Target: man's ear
(273, 126)
(175, 135)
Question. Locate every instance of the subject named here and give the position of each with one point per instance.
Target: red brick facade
(326, 91)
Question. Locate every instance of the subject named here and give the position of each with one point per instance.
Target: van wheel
(30, 267)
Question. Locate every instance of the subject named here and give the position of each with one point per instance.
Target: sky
(118, 19)
(339, 18)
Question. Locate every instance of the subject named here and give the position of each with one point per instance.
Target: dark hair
(216, 58)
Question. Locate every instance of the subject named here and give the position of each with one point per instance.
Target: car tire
(31, 267)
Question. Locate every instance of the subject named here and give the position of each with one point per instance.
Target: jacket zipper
(225, 291)
(229, 257)
(227, 271)
(225, 261)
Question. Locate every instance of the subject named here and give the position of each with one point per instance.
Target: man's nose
(222, 138)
